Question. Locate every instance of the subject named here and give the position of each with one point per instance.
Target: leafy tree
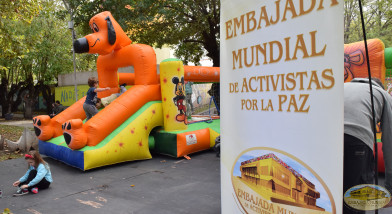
(190, 27)
(14, 16)
(377, 18)
(35, 51)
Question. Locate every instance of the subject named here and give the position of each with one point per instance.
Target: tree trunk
(3, 94)
(48, 96)
(29, 108)
(15, 89)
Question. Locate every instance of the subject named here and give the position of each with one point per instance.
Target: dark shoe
(21, 192)
(124, 84)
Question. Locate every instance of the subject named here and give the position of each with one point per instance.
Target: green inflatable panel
(388, 57)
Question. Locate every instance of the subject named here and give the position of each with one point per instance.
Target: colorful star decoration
(145, 125)
(121, 144)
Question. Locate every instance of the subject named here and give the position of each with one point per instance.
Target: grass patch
(12, 133)
(4, 155)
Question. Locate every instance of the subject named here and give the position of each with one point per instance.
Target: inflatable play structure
(355, 65)
(151, 114)
(148, 116)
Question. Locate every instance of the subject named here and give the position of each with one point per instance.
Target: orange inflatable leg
(74, 135)
(46, 128)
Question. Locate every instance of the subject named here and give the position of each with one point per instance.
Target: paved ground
(21, 123)
(161, 185)
(18, 121)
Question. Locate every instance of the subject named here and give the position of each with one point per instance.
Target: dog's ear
(182, 80)
(111, 31)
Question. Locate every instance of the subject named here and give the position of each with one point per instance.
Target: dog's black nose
(81, 45)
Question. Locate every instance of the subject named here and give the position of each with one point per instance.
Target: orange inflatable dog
(115, 50)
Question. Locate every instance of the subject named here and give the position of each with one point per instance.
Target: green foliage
(190, 27)
(38, 46)
(378, 20)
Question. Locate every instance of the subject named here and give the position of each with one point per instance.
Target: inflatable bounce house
(149, 115)
(355, 65)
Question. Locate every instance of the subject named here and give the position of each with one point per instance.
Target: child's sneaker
(20, 192)
(34, 190)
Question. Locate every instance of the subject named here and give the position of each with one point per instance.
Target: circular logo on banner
(367, 197)
(267, 180)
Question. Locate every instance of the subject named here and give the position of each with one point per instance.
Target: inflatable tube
(192, 73)
(198, 137)
(202, 74)
(355, 63)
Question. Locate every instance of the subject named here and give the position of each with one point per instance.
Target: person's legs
(189, 100)
(86, 111)
(31, 176)
(43, 184)
(358, 166)
(90, 111)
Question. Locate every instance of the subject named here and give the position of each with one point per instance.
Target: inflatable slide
(122, 130)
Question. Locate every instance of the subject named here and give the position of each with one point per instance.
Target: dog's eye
(95, 28)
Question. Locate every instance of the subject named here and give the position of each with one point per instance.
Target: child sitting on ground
(37, 177)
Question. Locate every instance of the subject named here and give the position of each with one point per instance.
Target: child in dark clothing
(37, 177)
(89, 105)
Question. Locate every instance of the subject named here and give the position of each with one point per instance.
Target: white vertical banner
(282, 106)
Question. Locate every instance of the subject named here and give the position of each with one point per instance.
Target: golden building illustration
(277, 181)
(368, 193)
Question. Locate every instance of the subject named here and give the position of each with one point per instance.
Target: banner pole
(372, 99)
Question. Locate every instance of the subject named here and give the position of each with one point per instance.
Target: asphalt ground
(159, 185)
